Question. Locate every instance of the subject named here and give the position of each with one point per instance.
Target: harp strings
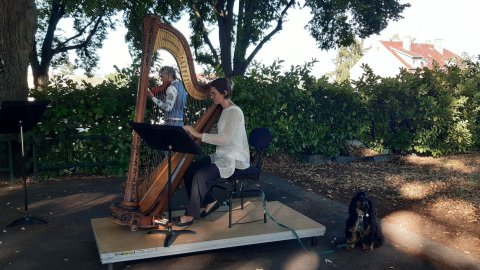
(168, 40)
(150, 159)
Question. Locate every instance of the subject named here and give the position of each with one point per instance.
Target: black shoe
(176, 222)
(214, 207)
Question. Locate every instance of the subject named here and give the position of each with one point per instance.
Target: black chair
(259, 140)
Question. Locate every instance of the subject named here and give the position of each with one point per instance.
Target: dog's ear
(371, 209)
(352, 208)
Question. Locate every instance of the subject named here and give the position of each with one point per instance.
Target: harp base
(130, 216)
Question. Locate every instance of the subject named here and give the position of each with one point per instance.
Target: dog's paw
(349, 246)
(367, 248)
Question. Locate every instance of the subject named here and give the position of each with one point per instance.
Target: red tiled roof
(423, 50)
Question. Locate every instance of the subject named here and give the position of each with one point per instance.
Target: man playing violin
(175, 96)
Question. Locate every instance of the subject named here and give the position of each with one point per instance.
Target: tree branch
(199, 17)
(225, 29)
(57, 11)
(34, 57)
(79, 34)
(87, 39)
(272, 33)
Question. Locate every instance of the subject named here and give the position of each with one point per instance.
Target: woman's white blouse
(232, 143)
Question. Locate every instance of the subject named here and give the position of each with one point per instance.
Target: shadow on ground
(67, 241)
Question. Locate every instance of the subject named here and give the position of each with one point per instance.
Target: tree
(346, 58)
(338, 23)
(91, 19)
(17, 30)
(243, 27)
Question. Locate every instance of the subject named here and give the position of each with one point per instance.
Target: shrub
(79, 113)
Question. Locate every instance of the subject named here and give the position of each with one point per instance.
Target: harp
(145, 197)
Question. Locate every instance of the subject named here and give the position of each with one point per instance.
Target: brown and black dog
(363, 227)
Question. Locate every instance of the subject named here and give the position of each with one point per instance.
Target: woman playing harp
(145, 188)
(232, 153)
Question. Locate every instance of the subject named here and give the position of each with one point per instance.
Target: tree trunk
(41, 78)
(18, 24)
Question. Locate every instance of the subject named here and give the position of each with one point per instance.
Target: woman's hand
(192, 131)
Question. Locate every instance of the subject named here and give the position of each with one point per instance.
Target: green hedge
(433, 112)
(306, 116)
(430, 112)
(87, 124)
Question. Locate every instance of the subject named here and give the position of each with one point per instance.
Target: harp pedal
(160, 221)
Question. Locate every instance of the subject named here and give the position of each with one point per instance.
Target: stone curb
(319, 159)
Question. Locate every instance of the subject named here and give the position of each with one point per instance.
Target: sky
(455, 22)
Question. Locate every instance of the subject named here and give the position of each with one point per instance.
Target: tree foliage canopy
(337, 22)
(243, 27)
(226, 34)
(91, 20)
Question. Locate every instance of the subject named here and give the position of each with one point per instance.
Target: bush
(429, 112)
(79, 113)
(305, 115)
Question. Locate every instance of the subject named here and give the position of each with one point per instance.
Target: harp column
(150, 31)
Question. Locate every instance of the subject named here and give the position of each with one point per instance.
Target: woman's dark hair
(223, 85)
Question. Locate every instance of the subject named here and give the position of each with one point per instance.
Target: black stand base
(27, 220)
(21, 116)
(170, 234)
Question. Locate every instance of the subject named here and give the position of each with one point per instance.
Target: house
(386, 58)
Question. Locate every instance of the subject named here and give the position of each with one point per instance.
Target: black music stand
(171, 139)
(22, 116)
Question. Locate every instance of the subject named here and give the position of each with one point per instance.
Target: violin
(160, 89)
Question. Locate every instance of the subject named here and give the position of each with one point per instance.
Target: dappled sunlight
(302, 260)
(416, 160)
(413, 233)
(414, 189)
(419, 184)
(85, 201)
(457, 165)
(417, 190)
(453, 210)
(395, 181)
(449, 163)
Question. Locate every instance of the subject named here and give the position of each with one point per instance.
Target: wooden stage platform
(117, 243)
